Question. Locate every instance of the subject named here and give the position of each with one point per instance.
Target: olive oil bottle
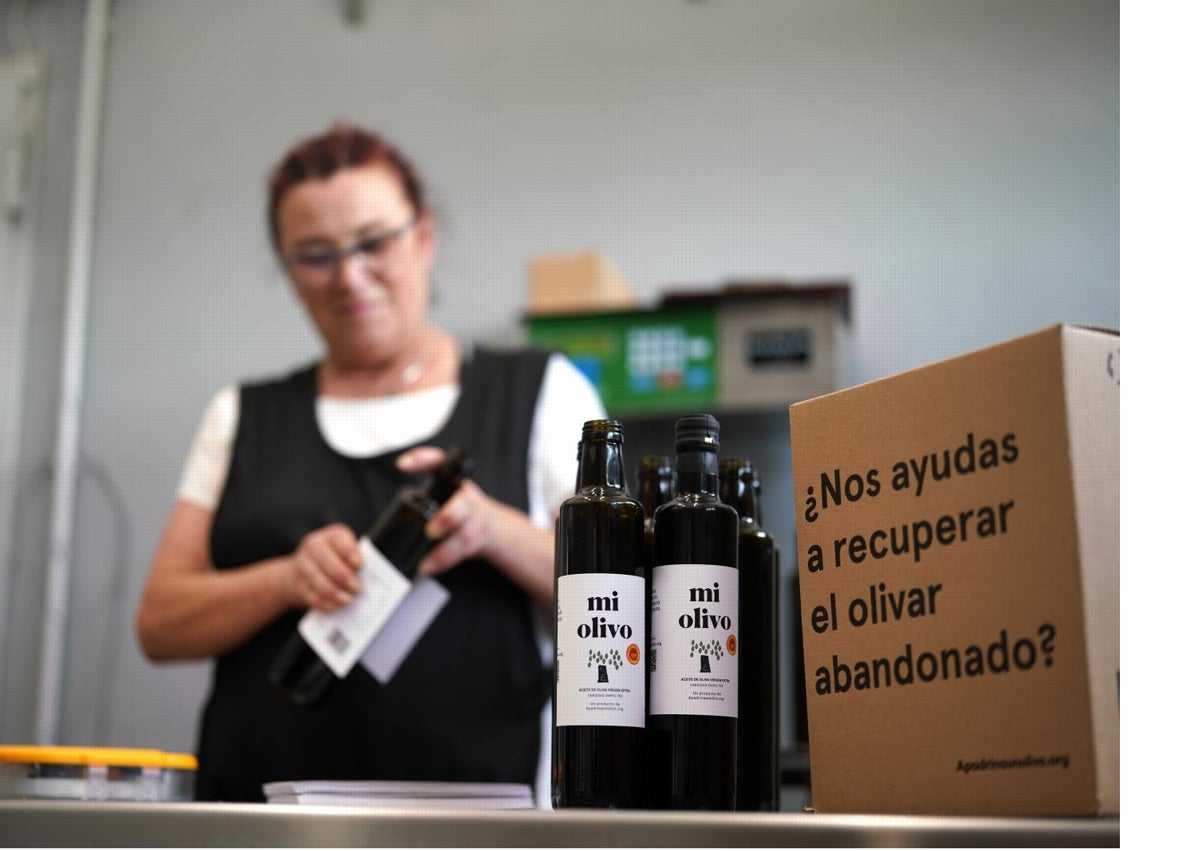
(758, 671)
(694, 631)
(600, 679)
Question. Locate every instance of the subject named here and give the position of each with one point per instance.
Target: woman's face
(359, 261)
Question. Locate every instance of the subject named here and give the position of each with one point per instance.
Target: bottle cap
(660, 464)
(603, 430)
(697, 431)
(734, 465)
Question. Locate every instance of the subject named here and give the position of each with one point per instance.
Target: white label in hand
(340, 637)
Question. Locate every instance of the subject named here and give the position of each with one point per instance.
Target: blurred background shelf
(745, 347)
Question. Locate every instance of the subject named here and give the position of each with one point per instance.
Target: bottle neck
(442, 489)
(746, 501)
(601, 465)
(696, 471)
(654, 490)
(448, 477)
(738, 490)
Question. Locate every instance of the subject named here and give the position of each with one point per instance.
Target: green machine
(641, 361)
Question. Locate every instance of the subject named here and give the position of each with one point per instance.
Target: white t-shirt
(361, 428)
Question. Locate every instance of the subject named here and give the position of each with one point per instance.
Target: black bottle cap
(697, 431)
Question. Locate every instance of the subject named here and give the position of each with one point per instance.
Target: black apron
(465, 704)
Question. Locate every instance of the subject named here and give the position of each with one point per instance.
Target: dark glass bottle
(399, 536)
(656, 486)
(600, 682)
(694, 631)
(758, 651)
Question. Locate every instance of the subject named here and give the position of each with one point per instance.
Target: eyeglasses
(318, 264)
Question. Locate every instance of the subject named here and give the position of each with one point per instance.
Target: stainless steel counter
(36, 823)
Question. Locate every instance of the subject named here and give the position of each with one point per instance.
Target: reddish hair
(341, 146)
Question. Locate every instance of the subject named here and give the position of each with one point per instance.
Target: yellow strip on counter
(69, 755)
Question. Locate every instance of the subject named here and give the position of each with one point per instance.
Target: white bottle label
(340, 637)
(599, 657)
(694, 644)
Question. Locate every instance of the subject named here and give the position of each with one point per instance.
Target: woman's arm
(190, 610)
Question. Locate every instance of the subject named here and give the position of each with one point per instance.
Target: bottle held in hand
(597, 757)
(325, 647)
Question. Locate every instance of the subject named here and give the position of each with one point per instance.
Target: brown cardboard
(1022, 580)
(573, 282)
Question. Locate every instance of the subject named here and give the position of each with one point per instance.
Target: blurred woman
(285, 474)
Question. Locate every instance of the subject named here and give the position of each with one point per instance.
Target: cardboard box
(959, 547)
(576, 282)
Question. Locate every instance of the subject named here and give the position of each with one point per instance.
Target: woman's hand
(472, 524)
(322, 573)
(190, 610)
(467, 525)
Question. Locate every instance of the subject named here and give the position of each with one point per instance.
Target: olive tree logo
(603, 659)
(706, 649)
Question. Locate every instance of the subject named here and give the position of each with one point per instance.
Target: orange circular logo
(731, 645)
(633, 653)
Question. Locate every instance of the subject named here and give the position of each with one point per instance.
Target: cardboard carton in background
(958, 537)
(575, 282)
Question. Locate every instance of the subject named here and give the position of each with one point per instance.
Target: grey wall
(956, 159)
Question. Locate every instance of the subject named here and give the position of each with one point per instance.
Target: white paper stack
(403, 794)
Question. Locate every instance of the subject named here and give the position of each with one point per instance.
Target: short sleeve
(565, 402)
(207, 464)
